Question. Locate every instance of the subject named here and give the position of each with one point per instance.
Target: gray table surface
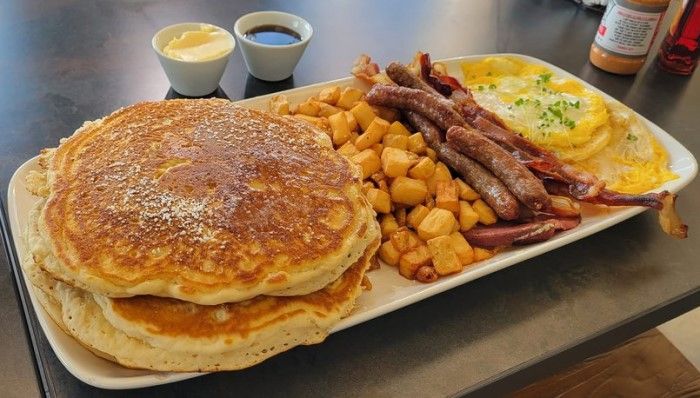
(66, 61)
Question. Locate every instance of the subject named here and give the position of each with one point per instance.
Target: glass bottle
(679, 50)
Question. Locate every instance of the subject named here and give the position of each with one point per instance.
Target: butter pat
(199, 45)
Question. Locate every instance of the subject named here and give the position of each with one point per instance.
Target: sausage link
(491, 189)
(521, 182)
(403, 77)
(438, 110)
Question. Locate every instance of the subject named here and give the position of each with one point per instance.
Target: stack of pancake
(196, 235)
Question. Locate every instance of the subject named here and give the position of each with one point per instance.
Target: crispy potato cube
(352, 122)
(373, 134)
(279, 105)
(412, 260)
(388, 225)
(395, 141)
(446, 196)
(482, 254)
(378, 148)
(340, 128)
(389, 254)
(486, 214)
(316, 121)
(408, 191)
(369, 161)
(429, 152)
(380, 200)
(348, 97)
(381, 78)
(348, 150)
(416, 216)
(404, 240)
(462, 248)
(426, 274)
(445, 258)
(366, 186)
(400, 214)
(309, 108)
(329, 95)
(437, 223)
(395, 162)
(388, 114)
(416, 144)
(441, 173)
(399, 129)
(378, 176)
(467, 216)
(423, 169)
(364, 114)
(326, 110)
(465, 191)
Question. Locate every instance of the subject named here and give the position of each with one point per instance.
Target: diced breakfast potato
(388, 225)
(380, 200)
(364, 114)
(378, 148)
(366, 186)
(369, 161)
(416, 216)
(325, 110)
(466, 192)
(279, 105)
(446, 196)
(400, 214)
(378, 176)
(481, 254)
(444, 257)
(389, 114)
(373, 133)
(467, 216)
(329, 95)
(462, 248)
(429, 152)
(408, 191)
(412, 260)
(441, 173)
(348, 150)
(316, 121)
(389, 254)
(309, 108)
(486, 214)
(399, 129)
(395, 141)
(340, 128)
(437, 223)
(416, 144)
(404, 240)
(348, 97)
(423, 169)
(352, 122)
(395, 162)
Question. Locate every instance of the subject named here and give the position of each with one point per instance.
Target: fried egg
(574, 122)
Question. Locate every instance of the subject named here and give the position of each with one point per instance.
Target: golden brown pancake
(172, 335)
(203, 201)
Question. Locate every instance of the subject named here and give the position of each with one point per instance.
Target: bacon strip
(507, 234)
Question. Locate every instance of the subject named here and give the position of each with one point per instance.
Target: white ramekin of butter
(272, 43)
(193, 56)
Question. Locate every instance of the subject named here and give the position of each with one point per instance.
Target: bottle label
(625, 31)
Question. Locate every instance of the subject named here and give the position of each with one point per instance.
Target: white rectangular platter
(390, 291)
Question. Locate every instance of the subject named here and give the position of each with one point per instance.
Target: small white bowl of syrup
(272, 43)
